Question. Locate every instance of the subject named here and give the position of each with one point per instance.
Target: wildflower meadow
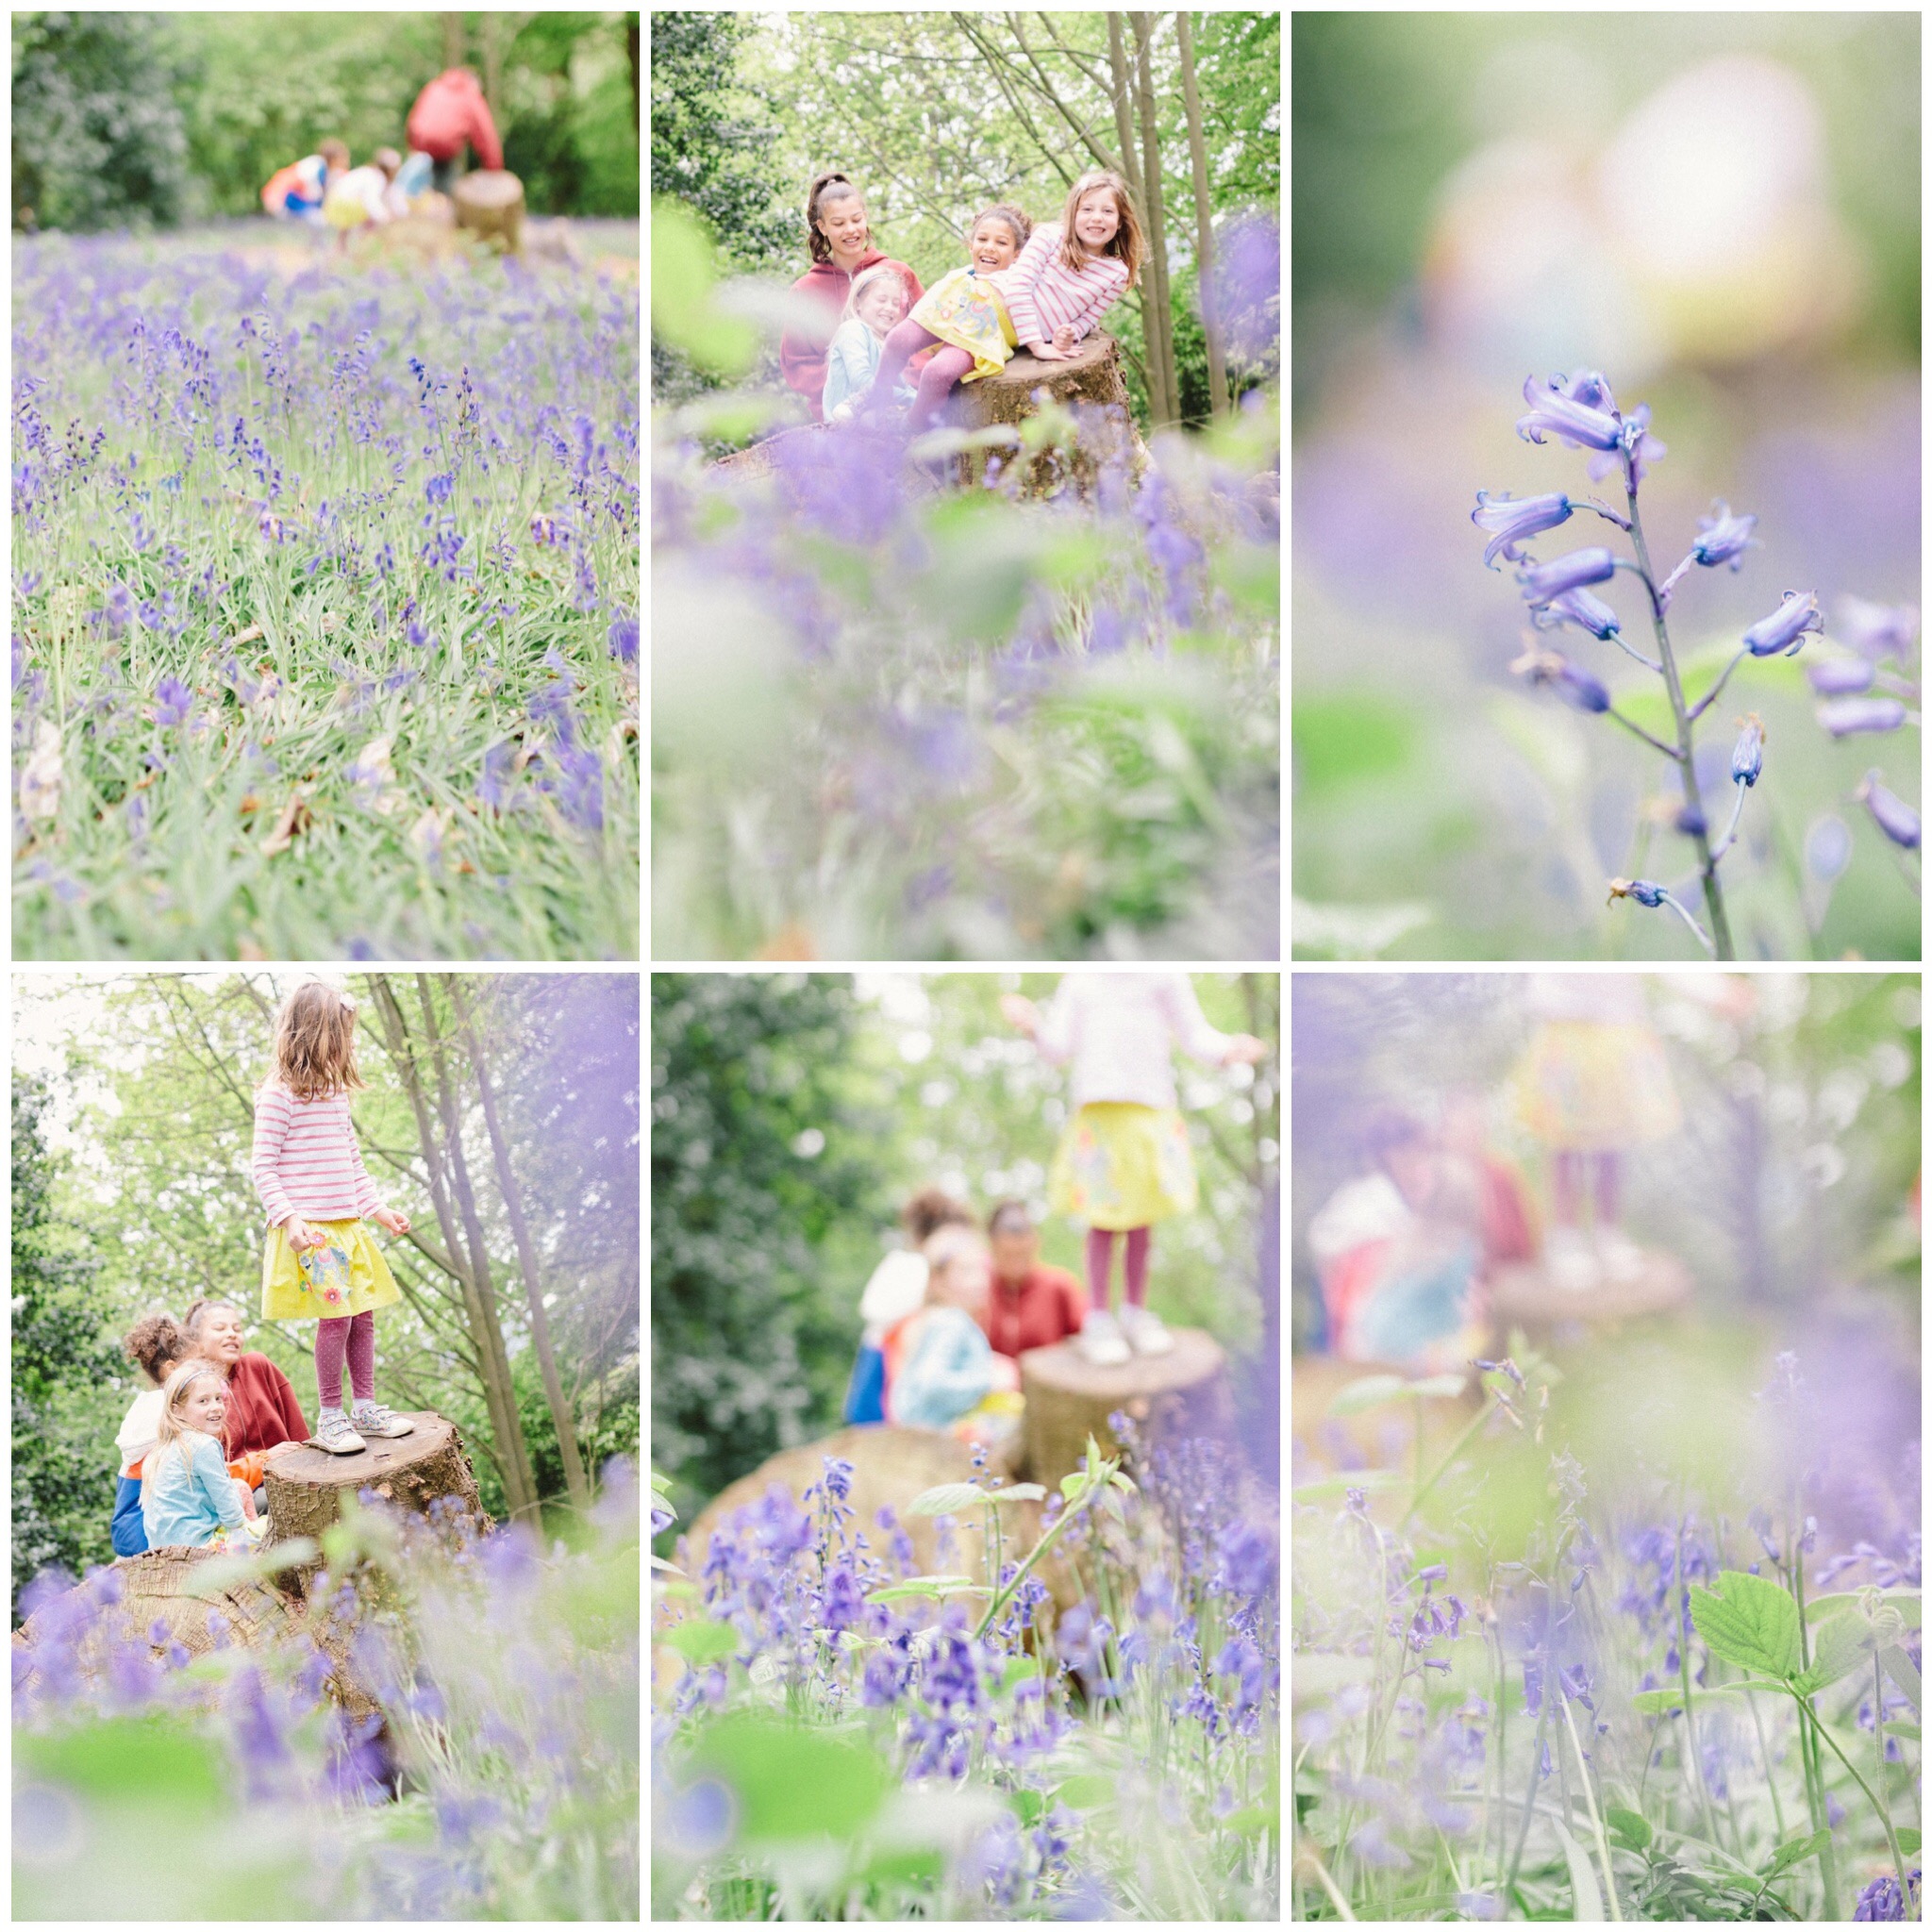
(325, 603)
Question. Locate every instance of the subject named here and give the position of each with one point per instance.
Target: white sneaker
(1620, 1257)
(333, 1433)
(1101, 1341)
(373, 1418)
(1570, 1260)
(1145, 1331)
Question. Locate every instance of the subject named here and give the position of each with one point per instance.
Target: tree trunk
(527, 1260)
(1122, 92)
(489, 204)
(499, 1398)
(1159, 298)
(453, 40)
(306, 1485)
(493, 65)
(1203, 223)
(1068, 1398)
(517, 1449)
(1090, 375)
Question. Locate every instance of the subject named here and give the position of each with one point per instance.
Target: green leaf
(1029, 1806)
(948, 1499)
(1748, 1621)
(1632, 1828)
(1794, 1850)
(1085, 1791)
(1019, 1669)
(1908, 1602)
(1903, 1671)
(1841, 1647)
(1124, 1483)
(928, 1587)
(683, 310)
(1911, 1731)
(1019, 1493)
(137, 1760)
(1367, 1480)
(1908, 1837)
(1111, 1502)
(1072, 1487)
(1370, 1391)
(1439, 1388)
(699, 1642)
(1656, 1702)
(794, 1781)
(1583, 1886)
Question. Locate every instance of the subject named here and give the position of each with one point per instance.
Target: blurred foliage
(61, 1506)
(1386, 105)
(249, 93)
(792, 1116)
(98, 134)
(1788, 1187)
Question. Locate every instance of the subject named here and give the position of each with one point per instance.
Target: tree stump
(489, 204)
(305, 1486)
(1091, 375)
(1525, 1297)
(1068, 1398)
(1378, 1438)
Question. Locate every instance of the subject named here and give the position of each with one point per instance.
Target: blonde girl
(876, 303)
(1046, 300)
(188, 1498)
(320, 1262)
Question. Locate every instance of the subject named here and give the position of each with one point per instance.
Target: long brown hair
(1127, 243)
(830, 186)
(315, 1043)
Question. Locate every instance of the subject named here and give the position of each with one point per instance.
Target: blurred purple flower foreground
(961, 1754)
(500, 1780)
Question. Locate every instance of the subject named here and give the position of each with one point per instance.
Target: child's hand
(1020, 1012)
(1064, 340)
(300, 1235)
(1045, 352)
(388, 1218)
(1244, 1049)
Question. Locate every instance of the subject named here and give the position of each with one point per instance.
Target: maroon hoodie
(801, 356)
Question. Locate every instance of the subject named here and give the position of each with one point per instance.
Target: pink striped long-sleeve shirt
(1041, 292)
(307, 1161)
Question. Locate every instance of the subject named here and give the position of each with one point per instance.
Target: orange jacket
(451, 114)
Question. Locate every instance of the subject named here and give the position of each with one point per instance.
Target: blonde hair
(1127, 244)
(170, 1431)
(956, 1242)
(314, 1055)
(866, 279)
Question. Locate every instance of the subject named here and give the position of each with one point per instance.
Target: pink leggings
(1100, 1265)
(935, 380)
(353, 1335)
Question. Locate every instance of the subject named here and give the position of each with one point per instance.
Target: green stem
(1713, 892)
(1456, 1449)
(1877, 1804)
(1684, 1676)
(1794, 1546)
(1002, 1598)
(1777, 1810)
(1596, 1824)
(1536, 1760)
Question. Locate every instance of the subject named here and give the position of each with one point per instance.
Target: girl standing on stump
(321, 1263)
(1124, 1161)
(1065, 277)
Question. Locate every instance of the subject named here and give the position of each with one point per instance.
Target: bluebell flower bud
(1642, 890)
(1725, 538)
(1890, 813)
(1842, 717)
(1747, 755)
(1879, 630)
(1510, 519)
(1570, 682)
(1828, 848)
(1579, 607)
(1691, 823)
(1784, 629)
(1579, 411)
(1543, 581)
(1835, 677)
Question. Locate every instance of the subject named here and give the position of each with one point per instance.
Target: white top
(307, 1161)
(1368, 1209)
(1041, 292)
(897, 1288)
(138, 1431)
(1119, 1030)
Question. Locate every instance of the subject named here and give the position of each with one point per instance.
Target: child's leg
(362, 1355)
(1609, 1190)
(1567, 1187)
(896, 351)
(937, 381)
(1140, 1239)
(1099, 1266)
(331, 1344)
(248, 1498)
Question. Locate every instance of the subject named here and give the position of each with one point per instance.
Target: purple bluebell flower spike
(1542, 581)
(1786, 629)
(1510, 520)
(1576, 411)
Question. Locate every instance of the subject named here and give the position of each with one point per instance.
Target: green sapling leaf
(1794, 1851)
(1750, 1621)
(1370, 1391)
(700, 1642)
(1630, 1828)
(1841, 1647)
(948, 1499)
(1903, 1671)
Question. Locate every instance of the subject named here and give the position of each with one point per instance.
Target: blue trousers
(130, 1532)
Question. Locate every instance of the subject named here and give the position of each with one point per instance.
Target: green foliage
(1750, 1621)
(98, 140)
(62, 1495)
(764, 1180)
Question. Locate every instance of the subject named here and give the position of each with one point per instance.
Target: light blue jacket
(186, 1502)
(948, 1371)
(851, 362)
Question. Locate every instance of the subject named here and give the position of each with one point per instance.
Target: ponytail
(831, 186)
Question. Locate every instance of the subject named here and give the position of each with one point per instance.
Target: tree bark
(306, 1485)
(1158, 296)
(527, 1260)
(1150, 365)
(499, 1398)
(517, 1449)
(1203, 223)
(453, 40)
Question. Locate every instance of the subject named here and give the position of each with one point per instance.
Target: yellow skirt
(1121, 1165)
(1596, 1086)
(965, 309)
(343, 1276)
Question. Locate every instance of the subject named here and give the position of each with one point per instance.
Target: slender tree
(1159, 298)
(1204, 221)
(526, 1256)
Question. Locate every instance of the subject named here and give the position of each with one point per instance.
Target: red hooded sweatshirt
(451, 114)
(802, 356)
(1046, 1306)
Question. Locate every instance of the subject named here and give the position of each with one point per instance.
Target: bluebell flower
(172, 702)
(1645, 892)
(1882, 1899)
(1747, 755)
(1581, 609)
(1878, 630)
(1510, 519)
(1890, 813)
(1837, 677)
(1842, 717)
(1578, 410)
(1542, 581)
(1570, 682)
(1725, 538)
(1828, 848)
(1784, 629)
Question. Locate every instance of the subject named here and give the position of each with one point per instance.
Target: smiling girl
(188, 1498)
(878, 300)
(1046, 299)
